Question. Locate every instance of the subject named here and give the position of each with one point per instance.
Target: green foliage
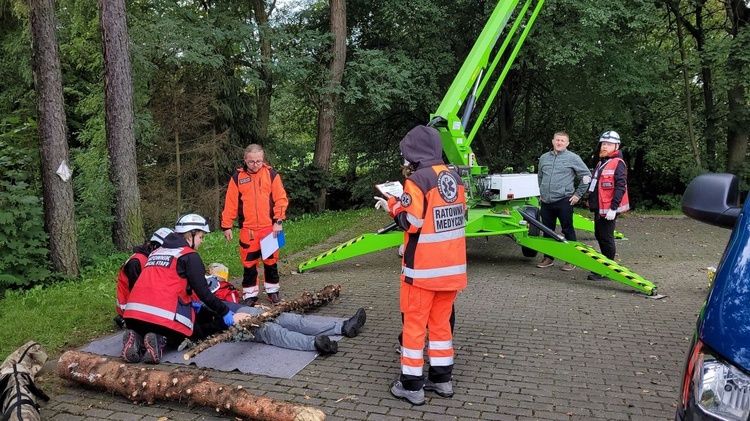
(69, 314)
(23, 260)
(58, 316)
(303, 184)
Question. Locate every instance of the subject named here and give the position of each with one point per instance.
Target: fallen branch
(305, 301)
(140, 384)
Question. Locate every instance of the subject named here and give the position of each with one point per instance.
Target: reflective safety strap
(160, 312)
(441, 345)
(250, 291)
(121, 306)
(414, 220)
(441, 361)
(411, 371)
(412, 353)
(433, 273)
(442, 236)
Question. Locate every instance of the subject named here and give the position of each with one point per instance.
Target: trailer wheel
(533, 231)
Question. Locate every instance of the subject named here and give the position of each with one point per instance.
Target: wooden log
(141, 384)
(306, 301)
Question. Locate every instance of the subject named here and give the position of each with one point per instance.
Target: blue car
(716, 379)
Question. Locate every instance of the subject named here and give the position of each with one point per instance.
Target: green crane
(499, 204)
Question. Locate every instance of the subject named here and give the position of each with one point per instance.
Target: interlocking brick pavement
(531, 344)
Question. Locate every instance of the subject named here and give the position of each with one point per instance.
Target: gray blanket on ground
(246, 357)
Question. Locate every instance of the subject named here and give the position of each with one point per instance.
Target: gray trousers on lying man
(290, 330)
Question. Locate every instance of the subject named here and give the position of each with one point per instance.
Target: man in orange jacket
(431, 213)
(257, 199)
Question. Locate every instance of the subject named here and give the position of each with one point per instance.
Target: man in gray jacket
(558, 170)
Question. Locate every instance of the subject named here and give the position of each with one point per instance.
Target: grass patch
(70, 314)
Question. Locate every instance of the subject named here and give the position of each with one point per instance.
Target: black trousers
(604, 231)
(562, 210)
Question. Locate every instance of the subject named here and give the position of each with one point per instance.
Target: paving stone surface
(531, 344)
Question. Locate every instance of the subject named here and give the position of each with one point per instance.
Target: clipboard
(391, 188)
(269, 245)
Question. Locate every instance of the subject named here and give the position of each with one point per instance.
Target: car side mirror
(713, 199)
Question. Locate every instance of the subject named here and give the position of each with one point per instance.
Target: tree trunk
(688, 97)
(147, 385)
(265, 92)
(178, 170)
(59, 206)
(711, 131)
(738, 118)
(217, 187)
(737, 130)
(119, 118)
(331, 96)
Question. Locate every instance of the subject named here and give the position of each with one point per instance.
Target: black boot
(353, 326)
(271, 277)
(325, 345)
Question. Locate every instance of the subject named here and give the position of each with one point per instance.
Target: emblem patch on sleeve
(405, 200)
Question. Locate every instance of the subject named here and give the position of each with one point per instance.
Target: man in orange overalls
(257, 199)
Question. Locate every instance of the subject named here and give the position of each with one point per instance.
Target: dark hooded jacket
(422, 147)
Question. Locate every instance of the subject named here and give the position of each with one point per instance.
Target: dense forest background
(210, 77)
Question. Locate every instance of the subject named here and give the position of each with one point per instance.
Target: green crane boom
(498, 204)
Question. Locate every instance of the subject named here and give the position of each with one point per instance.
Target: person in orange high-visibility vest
(257, 200)
(131, 270)
(431, 211)
(608, 194)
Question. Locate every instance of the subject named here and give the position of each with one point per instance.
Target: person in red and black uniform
(131, 270)
(257, 200)
(608, 194)
(160, 310)
(431, 212)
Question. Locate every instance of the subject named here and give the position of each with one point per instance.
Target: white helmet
(190, 222)
(611, 137)
(160, 235)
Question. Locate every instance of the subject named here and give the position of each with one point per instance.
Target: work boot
(249, 301)
(154, 344)
(274, 298)
(132, 346)
(325, 345)
(546, 262)
(568, 266)
(444, 389)
(414, 397)
(353, 326)
(595, 277)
